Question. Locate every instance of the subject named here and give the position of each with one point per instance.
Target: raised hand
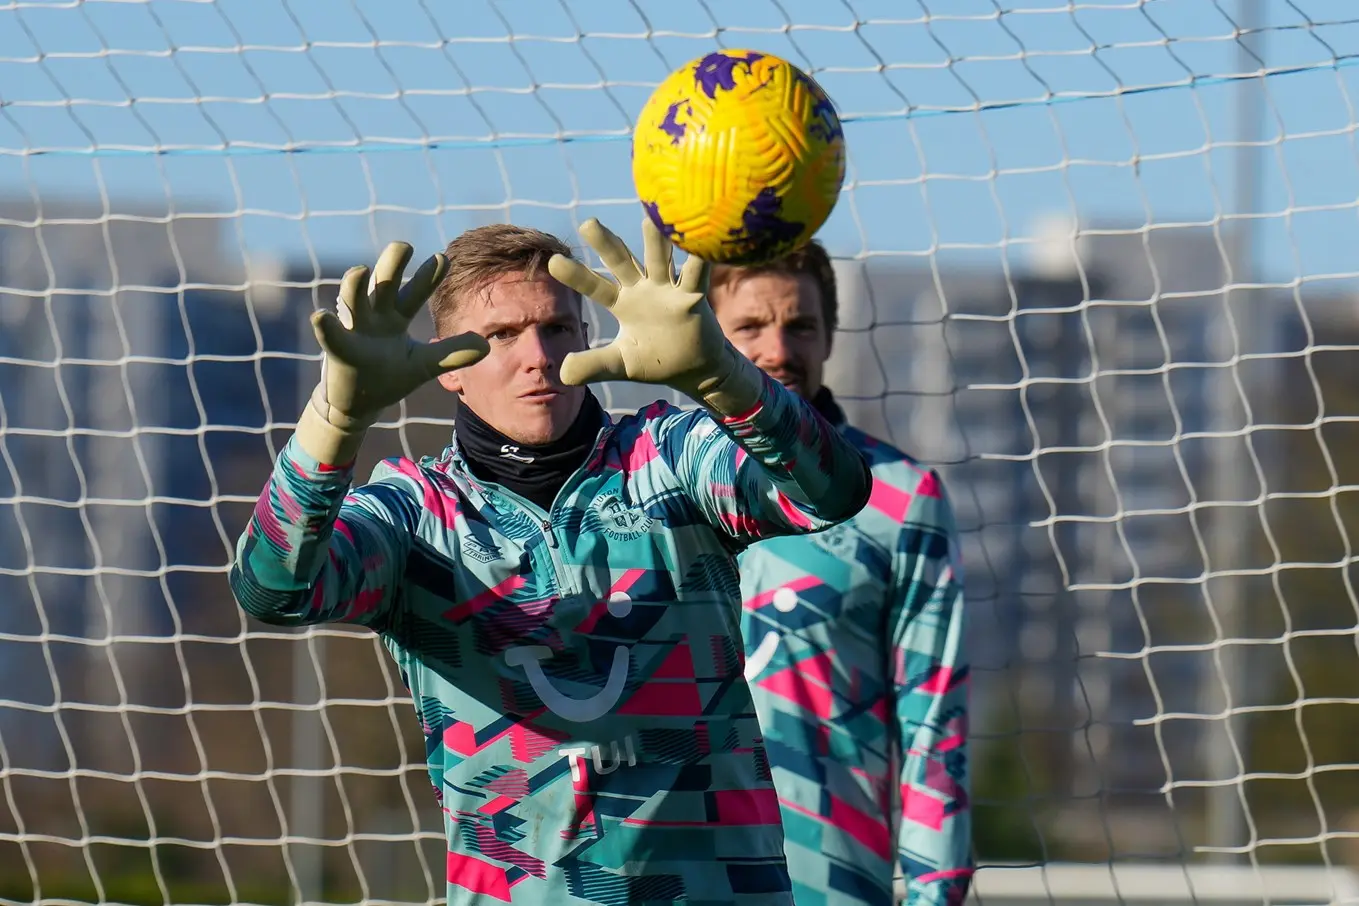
(370, 360)
(667, 332)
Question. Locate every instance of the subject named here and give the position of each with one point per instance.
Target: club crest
(840, 541)
(619, 521)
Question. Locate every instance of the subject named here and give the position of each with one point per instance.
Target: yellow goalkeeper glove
(370, 361)
(667, 332)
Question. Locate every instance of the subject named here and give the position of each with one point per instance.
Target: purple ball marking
(826, 124)
(718, 71)
(654, 213)
(763, 233)
(669, 126)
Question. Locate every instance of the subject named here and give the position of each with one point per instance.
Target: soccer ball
(738, 157)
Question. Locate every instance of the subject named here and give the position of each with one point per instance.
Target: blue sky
(421, 119)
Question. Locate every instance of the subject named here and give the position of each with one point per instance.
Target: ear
(449, 380)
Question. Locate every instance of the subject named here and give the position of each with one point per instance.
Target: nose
(776, 351)
(534, 352)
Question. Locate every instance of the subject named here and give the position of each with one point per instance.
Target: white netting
(1099, 264)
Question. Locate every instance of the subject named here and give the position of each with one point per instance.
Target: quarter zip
(565, 577)
(566, 581)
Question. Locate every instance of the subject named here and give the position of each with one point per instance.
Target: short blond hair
(484, 253)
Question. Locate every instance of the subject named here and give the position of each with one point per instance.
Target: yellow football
(738, 157)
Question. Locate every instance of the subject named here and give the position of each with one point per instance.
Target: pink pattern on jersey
(461, 737)
(488, 844)
(268, 523)
(793, 514)
(921, 808)
(678, 664)
(746, 807)
(366, 602)
(529, 743)
(292, 510)
(929, 486)
(940, 681)
(890, 501)
(477, 876)
(670, 691)
(437, 502)
(601, 608)
(801, 583)
(870, 831)
(743, 524)
(945, 875)
(513, 785)
(485, 599)
(498, 804)
(642, 452)
(817, 668)
(792, 685)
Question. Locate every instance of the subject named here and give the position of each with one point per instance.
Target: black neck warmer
(830, 410)
(535, 472)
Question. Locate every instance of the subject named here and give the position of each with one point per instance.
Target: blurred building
(131, 397)
(1070, 409)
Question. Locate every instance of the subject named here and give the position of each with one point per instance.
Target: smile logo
(577, 710)
(784, 601)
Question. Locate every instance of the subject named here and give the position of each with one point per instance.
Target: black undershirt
(824, 402)
(538, 472)
(534, 472)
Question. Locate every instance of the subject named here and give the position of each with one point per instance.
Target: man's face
(776, 321)
(531, 326)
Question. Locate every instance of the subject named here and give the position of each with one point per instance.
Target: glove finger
(386, 280)
(455, 352)
(658, 253)
(421, 284)
(612, 251)
(336, 341)
(694, 275)
(588, 283)
(353, 302)
(604, 363)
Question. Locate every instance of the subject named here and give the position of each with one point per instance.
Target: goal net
(1098, 265)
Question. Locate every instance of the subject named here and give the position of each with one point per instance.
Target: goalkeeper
(558, 588)
(857, 660)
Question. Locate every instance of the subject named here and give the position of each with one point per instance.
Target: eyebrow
(521, 323)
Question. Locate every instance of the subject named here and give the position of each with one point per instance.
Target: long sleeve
(316, 552)
(930, 668)
(779, 469)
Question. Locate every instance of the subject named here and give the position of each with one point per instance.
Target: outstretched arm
(930, 668)
(314, 552)
(778, 468)
(757, 460)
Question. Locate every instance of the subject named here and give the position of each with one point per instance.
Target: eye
(503, 333)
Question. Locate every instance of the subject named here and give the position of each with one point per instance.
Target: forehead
(515, 299)
(768, 295)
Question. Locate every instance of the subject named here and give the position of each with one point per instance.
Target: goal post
(1098, 265)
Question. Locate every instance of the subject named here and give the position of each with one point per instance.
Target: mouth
(542, 395)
